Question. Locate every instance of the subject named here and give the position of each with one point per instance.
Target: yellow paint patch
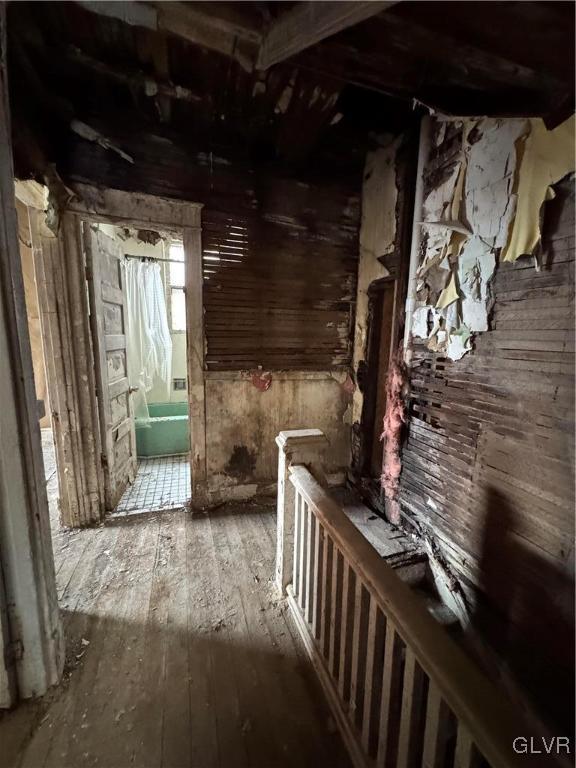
(544, 157)
(449, 295)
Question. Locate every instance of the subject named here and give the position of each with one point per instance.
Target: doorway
(137, 298)
(81, 268)
(135, 314)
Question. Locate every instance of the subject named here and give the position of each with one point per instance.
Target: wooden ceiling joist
(208, 30)
(136, 14)
(151, 86)
(310, 22)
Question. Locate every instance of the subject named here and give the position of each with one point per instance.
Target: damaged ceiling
(301, 88)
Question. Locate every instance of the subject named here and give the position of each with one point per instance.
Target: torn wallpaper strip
(449, 294)
(547, 156)
(487, 204)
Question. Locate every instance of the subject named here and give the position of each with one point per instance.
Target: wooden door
(105, 273)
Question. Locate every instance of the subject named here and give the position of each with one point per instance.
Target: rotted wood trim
(64, 317)
(182, 218)
(195, 346)
(26, 561)
(134, 209)
(338, 374)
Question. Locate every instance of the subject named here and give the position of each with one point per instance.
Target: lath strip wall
(488, 465)
(277, 294)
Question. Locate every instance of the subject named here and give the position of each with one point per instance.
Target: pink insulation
(394, 418)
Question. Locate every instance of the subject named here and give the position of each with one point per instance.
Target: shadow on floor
(184, 655)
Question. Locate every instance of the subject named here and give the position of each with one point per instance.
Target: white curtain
(149, 344)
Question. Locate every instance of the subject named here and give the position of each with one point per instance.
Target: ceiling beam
(209, 30)
(132, 79)
(310, 22)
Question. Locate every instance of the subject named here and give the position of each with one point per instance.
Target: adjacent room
(287, 425)
(136, 311)
(138, 321)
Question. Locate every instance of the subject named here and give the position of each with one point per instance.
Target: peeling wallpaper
(486, 203)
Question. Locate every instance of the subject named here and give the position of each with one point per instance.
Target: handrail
(489, 719)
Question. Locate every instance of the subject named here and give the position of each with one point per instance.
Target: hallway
(178, 652)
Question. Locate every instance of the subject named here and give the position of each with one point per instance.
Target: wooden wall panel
(488, 466)
(284, 298)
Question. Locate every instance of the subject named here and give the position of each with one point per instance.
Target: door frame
(32, 638)
(69, 363)
(141, 211)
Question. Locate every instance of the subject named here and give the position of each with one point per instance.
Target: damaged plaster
(377, 239)
(486, 206)
(466, 220)
(547, 156)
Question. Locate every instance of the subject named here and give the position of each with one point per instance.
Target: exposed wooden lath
(276, 295)
(206, 28)
(488, 466)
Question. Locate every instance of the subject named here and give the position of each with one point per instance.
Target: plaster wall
(242, 423)
(377, 239)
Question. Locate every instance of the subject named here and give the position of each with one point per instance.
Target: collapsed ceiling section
(487, 182)
(302, 88)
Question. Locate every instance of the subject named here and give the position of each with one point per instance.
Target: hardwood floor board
(176, 707)
(202, 693)
(189, 657)
(252, 650)
(69, 551)
(50, 741)
(146, 700)
(267, 517)
(98, 726)
(213, 637)
(307, 716)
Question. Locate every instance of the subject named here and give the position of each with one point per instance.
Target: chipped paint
(91, 134)
(467, 218)
(546, 157)
(285, 98)
(262, 380)
(377, 240)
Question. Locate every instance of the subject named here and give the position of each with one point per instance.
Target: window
(177, 296)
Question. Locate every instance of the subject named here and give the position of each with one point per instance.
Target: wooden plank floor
(178, 653)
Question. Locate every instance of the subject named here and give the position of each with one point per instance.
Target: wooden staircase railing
(402, 691)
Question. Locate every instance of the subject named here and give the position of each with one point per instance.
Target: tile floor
(162, 483)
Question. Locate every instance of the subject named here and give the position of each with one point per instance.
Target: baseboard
(346, 731)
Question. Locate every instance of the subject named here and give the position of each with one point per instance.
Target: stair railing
(402, 692)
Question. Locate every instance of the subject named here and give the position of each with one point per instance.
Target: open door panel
(105, 272)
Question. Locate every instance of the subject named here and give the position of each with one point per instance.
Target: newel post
(295, 446)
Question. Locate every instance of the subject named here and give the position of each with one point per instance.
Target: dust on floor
(179, 652)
